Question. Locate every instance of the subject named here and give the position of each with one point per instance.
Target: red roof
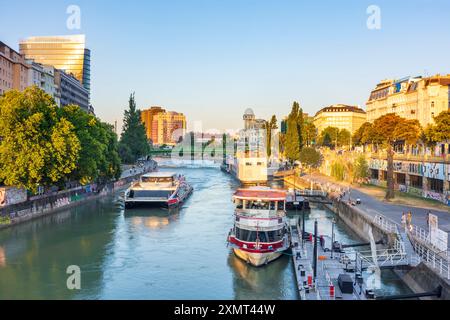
(260, 194)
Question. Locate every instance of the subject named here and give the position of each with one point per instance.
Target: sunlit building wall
(412, 98)
(340, 116)
(13, 70)
(68, 53)
(163, 127)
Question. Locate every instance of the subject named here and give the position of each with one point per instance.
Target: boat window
(281, 205)
(150, 194)
(157, 179)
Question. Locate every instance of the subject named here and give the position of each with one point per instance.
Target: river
(150, 253)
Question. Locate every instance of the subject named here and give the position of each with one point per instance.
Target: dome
(249, 112)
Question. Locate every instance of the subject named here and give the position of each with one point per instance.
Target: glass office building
(68, 53)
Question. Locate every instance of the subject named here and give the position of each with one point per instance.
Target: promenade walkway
(374, 207)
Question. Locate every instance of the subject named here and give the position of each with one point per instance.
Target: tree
(133, 141)
(329, 137)
(390, 129)
(98, 156)
(310, 158)
(292, 147)
(440, 131)
(36, 147)
(361, 169)
(270, 126)
(309, 133)
(363, 135)
(344, 137)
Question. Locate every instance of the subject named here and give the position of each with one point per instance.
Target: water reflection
(272, 282)
(155, 218)
(2, 257)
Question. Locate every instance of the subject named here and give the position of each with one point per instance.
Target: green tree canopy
(310, 157)
(98, 156)
(36, 147)
(270, 126)
(293, 139)
(440, 131)
(133, 141)
(309, 133)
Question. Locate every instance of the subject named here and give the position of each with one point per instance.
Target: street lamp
(333, 222)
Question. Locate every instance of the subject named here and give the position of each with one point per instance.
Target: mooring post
(315, 249)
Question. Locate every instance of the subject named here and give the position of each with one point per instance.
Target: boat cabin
(168, 179)
(258, 200)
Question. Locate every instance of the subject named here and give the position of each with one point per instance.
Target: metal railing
(385, 223)
(433, 259)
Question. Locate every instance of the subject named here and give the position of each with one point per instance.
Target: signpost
(438, 238)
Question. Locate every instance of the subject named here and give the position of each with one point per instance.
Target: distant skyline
(211, 60)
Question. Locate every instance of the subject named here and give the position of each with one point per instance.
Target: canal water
(150, 253)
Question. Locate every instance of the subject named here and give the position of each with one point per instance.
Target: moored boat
(163, 189)
(260, 232)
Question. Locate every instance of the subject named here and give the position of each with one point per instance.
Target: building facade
(163, 127)
(340, 116)
(68, 53)
(420, 171)
(44, 78)
(70, 91)
(412, 98)
(14, 70)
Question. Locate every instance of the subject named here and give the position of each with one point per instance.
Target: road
(394, 212)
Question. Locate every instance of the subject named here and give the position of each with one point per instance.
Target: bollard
(331, 291)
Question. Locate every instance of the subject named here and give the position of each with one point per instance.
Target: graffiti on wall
(378, 164)
(434, 195)
(9, 196)
(434, 170)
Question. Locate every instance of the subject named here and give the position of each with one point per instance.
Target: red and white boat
(260, 233)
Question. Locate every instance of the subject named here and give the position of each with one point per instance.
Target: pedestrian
(403, 219)
(428, 218)
(409, 220)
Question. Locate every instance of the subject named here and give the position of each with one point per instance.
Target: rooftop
(159, 175)
(341, 108)
(260, 194)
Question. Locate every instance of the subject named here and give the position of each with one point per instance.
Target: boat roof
(260, 194)
(159, 174)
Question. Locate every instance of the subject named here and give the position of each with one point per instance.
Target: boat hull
(255, 258)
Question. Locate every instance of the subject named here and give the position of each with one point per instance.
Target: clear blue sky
(212, 59)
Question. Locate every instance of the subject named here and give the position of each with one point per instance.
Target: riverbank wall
(40, 206)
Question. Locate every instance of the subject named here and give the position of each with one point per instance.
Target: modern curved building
(67, 53)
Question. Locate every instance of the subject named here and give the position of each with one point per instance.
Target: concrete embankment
(419, 279)
(424, 279)
(361, 223)
(47, 205)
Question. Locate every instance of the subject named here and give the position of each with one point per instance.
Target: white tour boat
(164, 189)
(260, 233)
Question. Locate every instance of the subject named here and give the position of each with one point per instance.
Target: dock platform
(329, 268)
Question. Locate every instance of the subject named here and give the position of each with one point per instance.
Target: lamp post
(333, 222)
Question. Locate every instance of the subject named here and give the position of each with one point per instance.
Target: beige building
(412, 98)
(340, 116)
(163, 127)
(14, 70)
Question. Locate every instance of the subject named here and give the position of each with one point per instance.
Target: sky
(212, 59)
